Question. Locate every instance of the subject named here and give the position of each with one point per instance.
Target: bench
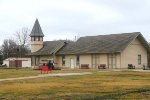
(130, 66)
(84, 66)
(44, 69)
(102, 66)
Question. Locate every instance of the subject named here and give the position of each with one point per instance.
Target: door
(72, 64)
(18, 63)
(15, 63)
(12, 63)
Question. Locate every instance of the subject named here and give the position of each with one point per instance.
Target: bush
(1, 62)
(57, 68)
(3, 65)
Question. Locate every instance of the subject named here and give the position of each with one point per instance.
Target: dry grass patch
(12, 73)
(98, 86)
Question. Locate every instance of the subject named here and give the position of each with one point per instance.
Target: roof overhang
(144, 42)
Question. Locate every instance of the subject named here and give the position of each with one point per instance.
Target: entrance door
(72, 64)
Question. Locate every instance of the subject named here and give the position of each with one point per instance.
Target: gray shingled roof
(101, 44)
(50, 47)
(36, 31)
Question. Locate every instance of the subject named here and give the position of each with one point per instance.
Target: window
(38, 38)
(33, 60)
(63, 60)
(41, 39)
(34, 38)
(78, 60)
(139, 59)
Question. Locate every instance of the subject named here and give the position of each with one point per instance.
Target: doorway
(72, 64)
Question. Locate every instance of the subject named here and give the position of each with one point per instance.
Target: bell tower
(36, 37)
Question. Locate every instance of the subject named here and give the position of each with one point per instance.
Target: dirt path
(46, 75)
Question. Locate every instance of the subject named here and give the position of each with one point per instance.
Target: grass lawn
(101, 85)
(13, 73)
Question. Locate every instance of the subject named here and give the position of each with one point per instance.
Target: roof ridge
(54, 40)
(113, 34)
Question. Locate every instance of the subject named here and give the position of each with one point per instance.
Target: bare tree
(1, 56)
(8, 48)
(23, 40)
(17, 47)
(22, 37)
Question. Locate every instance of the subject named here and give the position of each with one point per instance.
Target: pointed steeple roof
(37, 31)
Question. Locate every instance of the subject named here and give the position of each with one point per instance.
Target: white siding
(26, 63)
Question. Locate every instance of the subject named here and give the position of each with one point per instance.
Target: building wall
(130, 55)
(118, 60)
(67, 61)
(44, 59)
(6, 62)
(104, 59)
(97, 59)
(36, 45)
(149, 59)
(93, 60)
(58, 61)
(26, 62)
(86, 59)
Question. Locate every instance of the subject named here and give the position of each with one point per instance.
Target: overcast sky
(65, 19)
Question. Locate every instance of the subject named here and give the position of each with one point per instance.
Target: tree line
(16, 46)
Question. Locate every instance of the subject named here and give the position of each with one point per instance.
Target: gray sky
(65, 19)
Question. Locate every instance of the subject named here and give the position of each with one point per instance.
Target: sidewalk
(46, 75)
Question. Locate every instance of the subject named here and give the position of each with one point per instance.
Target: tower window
(34, 38)
(38, 38)
(41, 38)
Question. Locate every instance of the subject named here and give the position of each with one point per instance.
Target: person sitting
(50, 65)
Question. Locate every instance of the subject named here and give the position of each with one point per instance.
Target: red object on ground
(44, 69)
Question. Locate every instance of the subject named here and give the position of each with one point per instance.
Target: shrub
(57, 68)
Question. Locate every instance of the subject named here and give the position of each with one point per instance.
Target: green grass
(101, 85)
